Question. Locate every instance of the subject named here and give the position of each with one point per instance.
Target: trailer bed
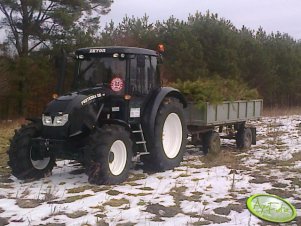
(227, 112)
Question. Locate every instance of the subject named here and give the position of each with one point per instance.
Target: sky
(272, 15)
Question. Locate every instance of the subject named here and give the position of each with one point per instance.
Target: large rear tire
(21, 152)
(168, 145)
(109, 155)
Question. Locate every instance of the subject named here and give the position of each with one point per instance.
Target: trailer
(205, 123)
(117, 110)
(227, 112)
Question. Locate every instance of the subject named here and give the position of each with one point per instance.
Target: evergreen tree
(34, 22)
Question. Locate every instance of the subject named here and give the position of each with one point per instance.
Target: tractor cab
(124, 70)
(126, 75)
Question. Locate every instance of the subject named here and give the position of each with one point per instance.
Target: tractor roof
(116, 49)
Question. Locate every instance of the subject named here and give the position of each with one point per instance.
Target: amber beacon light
(55, 95)
(161, 48)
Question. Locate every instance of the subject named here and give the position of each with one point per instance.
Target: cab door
(144, 80)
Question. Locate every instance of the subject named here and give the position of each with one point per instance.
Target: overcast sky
(272, 15)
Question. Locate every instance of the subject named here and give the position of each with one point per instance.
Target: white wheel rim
(172, 135)
(39, 164)
(118, 163)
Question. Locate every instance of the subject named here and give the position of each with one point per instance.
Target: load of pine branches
(215, 90)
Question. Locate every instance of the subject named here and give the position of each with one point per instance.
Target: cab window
(142, 74)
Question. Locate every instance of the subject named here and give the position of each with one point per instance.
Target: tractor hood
(70, 114)
(68, 103)
(64, 104)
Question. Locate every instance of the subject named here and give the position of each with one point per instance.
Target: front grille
(51, 132)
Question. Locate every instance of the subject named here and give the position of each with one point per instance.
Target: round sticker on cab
(271, 208)
(117, 84)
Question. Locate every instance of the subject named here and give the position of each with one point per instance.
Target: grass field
(7, 129)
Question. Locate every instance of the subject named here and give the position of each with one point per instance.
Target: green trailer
(206, 123)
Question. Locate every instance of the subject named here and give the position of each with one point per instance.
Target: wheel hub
(37, 160)
(111, 157)
(36, 154)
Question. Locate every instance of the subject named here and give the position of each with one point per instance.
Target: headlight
(58, 120)
(47, 121)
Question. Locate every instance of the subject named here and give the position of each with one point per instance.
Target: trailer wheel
(211, 143)
(168, 145)
(244, 138)
(21, 154)
(109, 155)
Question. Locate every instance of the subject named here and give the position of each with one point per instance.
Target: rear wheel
(211, 143)
(109, 155)
(25, 160)
(169, 142)
(244, 138)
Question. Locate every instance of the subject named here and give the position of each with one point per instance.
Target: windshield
(99, 71)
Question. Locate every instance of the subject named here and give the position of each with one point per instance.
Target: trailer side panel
(224, 113)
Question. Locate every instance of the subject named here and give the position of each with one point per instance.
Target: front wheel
(169, 142)
(109, 155)
(25, 160)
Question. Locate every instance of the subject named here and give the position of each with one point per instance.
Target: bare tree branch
(42, 41)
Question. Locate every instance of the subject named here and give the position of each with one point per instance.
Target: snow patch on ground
(190, 194)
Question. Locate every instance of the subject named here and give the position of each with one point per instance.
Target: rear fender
(150, 112)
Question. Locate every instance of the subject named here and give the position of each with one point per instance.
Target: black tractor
(115, 111)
